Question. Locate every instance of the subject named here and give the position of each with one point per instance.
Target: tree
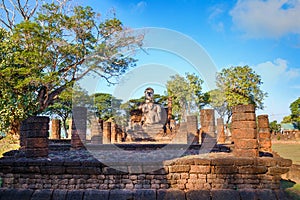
(287, 119)
(186, 93)
(240, 86)
(50, 49)
(294, 117)
(106, 106)
(217, 100)
(274, 127)
(295, 111)
(62, 105)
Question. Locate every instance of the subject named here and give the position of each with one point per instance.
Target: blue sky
(264, 34)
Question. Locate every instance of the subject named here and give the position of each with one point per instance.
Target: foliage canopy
(236, 86)
(53, 46)
(187, 95)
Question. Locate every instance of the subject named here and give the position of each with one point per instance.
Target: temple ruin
(185, 162)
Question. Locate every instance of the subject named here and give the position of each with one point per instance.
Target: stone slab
(247, 194)
(170, 194)
(266, 194)
(75, 195)
(120, 195)
(14, 194)
(42, 195)
(282, 195)
(198, 194)
(144, 194)
(96, 194)
(59, 194)
(225, 195)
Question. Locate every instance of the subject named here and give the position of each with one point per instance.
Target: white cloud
(139, 7)
(280, 81)
(273, 71)
(267, 18)
(216, 13)
(293, 73)
(296, 87)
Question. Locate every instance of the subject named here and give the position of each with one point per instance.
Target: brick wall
(191, 173)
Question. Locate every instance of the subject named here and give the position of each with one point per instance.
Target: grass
(289, 151)
(7, 144)
(291, 188)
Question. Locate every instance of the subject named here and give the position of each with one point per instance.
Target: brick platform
(141, 194)
(194, 172)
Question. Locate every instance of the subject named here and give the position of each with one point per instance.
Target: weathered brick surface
(200, 169)
(264, 135)
(246, 152)
(37, 142)
(246, 143)
(263, 121)
(197, 194)
(207, 173)
(220, 131)
(244, 117)
(120, 195)
(75, 195)
(207, 121)
(106, 132)
(79, 125)
(12, 194)
(59, 194)
(96, 132)
(243, 124)
(243, 108)
(192, 129)
(42, 194)
(225, 195)
(55, 129)
(266, 194)
(142, 194)
(34, 136)
(244, 133)
(179, 168)
(170, 195)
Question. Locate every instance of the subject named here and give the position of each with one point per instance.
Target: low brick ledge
(142, 194)
(196, 172)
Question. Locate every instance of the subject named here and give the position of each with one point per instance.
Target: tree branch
(9, 20)
(34, 9)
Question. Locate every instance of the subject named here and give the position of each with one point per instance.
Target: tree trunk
(65, 126)
(14, 129)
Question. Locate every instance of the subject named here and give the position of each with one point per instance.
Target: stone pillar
(35, 133)
(79, 125)
(192, 129)
(207, 121)
(70, 129)
(181, 135)
(55, 129)
(23, 130)
(96, 132)
(120, 137)
(244, 132)
(106, 132)
(169, 108)
(220, 131)
(264, 134)
(113, 132)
